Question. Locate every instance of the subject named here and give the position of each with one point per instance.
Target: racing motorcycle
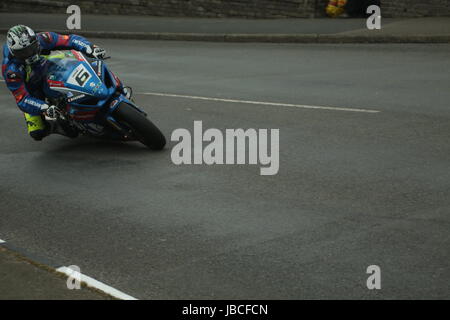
(90, 98)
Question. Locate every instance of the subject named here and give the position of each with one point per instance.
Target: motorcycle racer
(21, 68)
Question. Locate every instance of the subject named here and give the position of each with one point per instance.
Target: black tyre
(144, 130)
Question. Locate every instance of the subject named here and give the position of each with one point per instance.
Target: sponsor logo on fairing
(113, 103)
(75, 98)
(99, 69)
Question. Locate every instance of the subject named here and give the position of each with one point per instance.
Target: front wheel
(144, 130)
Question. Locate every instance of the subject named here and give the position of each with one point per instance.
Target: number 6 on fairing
(80, 76)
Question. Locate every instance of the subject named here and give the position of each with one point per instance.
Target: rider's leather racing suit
(25, 81)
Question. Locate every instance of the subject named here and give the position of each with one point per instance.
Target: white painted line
(302, 106)
(95, 284)
(1, 241)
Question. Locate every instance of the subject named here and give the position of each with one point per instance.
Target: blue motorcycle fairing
(88, 88)
(119, 99)
(72, 75)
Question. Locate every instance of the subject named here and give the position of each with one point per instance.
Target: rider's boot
(40, 127)
(37, 126)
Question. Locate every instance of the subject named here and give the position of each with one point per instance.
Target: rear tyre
(144, 130)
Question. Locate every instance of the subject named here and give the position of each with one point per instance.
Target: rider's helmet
(23, 44)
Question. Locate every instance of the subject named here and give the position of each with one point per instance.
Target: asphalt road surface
(354, 189)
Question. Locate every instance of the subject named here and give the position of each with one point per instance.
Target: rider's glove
(94, 51)
(49, 111)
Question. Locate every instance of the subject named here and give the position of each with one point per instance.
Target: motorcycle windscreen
(72, 75)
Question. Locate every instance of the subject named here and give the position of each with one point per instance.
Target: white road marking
(302, 106)
(278, 104)
(95, 284)
(1, 241)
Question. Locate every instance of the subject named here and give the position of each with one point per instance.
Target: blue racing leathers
(24, 81)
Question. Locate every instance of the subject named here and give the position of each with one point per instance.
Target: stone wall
(189, 8)
(415, 8)
(223, 8)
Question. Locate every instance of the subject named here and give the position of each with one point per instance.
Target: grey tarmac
(354, 189)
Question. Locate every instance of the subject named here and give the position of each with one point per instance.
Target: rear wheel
(144, 130)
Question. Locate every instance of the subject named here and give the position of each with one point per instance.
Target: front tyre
(144, 130)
